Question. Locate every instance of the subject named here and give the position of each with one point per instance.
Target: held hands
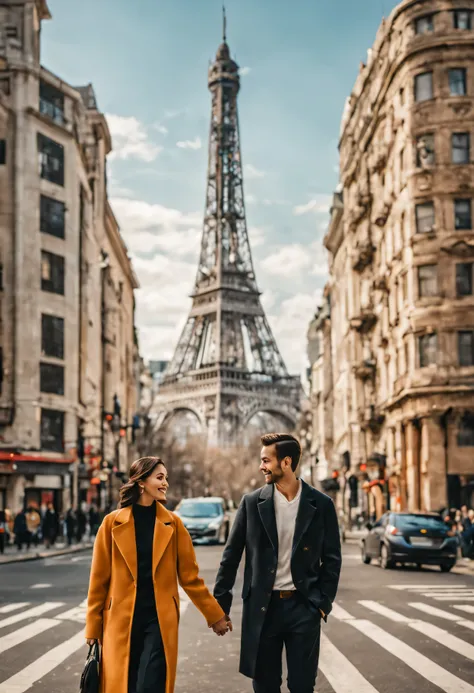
(222, 626)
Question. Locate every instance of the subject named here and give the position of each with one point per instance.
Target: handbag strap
(94, 649)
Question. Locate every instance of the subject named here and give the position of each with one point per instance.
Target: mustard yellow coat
(113, 587)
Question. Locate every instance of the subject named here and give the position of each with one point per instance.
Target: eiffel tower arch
(226, 367)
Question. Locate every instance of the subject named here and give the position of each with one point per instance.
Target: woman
(140, 554)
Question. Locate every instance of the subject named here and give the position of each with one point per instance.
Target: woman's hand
(91, 641)
(222, 626)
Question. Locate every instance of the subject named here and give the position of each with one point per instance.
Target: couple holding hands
(290, 534)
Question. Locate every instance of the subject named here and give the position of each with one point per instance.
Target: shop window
(466, 431)
(425, 217)
(462, 19)
(52, 378)
(424, 86)
(460, 147)
(51, 102)
(52, 430)
(457, 81)
(52, 216)
(51, 160)
(425, 24)
(425, 150)
(427, 280)
(52, 336)
(3, 152)
(466, 348)
(52, 273)
(464, 279)
(428, 349)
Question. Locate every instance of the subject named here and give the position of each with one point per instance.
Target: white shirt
(285, 513)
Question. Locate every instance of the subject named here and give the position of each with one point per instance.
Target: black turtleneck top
(144, 517)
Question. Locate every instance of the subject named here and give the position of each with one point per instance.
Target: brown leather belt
(284, 594)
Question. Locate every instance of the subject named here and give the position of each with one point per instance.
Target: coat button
(272, 571)
(263, 609)
(305, 548)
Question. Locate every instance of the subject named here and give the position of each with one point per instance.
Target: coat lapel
(124, 536)
(266, 509)
(163, 533)
(306, 512)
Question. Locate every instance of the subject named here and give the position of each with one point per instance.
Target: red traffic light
(123, 432)
(363, 467)
(108, 417)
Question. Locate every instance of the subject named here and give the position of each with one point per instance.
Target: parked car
(420, 538)
(206, 519)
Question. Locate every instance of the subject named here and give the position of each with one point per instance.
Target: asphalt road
(397, 631)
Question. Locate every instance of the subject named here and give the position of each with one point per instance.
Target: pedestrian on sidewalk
(94, 521)
(141, 552)
(33, 523)
(290, 534)
(20, 529)
(81, 519)
(3, 531)
(50, 526)
(71, 524)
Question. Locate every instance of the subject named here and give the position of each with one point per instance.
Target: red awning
(17, 457)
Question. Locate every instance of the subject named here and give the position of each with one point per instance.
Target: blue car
(420, 538)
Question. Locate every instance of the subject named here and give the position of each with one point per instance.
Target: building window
(52, 430)
(462, 215)
(1, 370)
(464, 279)
(51, 160)
(460, 147)
(51, 102)
(457, 81)
(462, 19)
(52, 336)
(425, 217)
(466, 348)
(3, 152)
(52, 216)
(52, 378)
(424, 25)
(466, 431)
(52, 273)
(424, 86)
(425, 150)
(428, 349)
(427, 280)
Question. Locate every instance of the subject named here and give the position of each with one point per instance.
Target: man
(292, 563)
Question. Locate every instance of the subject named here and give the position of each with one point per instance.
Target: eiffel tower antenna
(224, 24)
(226, 367)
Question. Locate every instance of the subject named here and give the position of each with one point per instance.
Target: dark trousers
(147, 672)
(296, 624)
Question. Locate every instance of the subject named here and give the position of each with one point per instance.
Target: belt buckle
(285, 594)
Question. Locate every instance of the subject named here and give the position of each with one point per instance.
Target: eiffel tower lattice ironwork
(226, 366)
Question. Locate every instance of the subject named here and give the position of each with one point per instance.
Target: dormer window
(425, 24)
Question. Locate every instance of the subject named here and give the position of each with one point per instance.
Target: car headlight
(215, 524)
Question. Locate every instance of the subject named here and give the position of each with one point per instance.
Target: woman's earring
(142, 488)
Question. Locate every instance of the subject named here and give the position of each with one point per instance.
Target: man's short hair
(286, 446)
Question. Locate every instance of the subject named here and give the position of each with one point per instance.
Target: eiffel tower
(226, 367)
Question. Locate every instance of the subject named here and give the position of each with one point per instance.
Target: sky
(148, 61)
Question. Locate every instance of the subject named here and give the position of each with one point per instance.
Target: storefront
(34, 481)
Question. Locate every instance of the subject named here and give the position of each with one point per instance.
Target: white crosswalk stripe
(341, 666)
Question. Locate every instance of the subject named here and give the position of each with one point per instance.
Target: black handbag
(91, 674)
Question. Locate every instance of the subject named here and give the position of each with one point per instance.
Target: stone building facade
(67, 339)
(401, 248)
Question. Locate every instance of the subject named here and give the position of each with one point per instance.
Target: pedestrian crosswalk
(396, 632)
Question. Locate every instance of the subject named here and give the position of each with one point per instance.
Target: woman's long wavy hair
(140, 470)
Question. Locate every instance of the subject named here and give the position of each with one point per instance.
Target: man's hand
(322, 613)
(222, 626)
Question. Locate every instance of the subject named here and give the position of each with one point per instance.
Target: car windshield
(190, 509)
(417, 522)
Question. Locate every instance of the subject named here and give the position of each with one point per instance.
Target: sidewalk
(12, 555)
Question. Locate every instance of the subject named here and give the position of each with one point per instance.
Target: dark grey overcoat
(315, 562)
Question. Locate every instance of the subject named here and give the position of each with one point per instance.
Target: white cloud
(288, 261)
(319, 204)
(256, 236)
(244, 71)
(252, 172)
(276, 203)
(130, 139)
(250, 199)
(138, 215)
(160, 128)
(290, 326)
(320, 269)
(190, 144)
